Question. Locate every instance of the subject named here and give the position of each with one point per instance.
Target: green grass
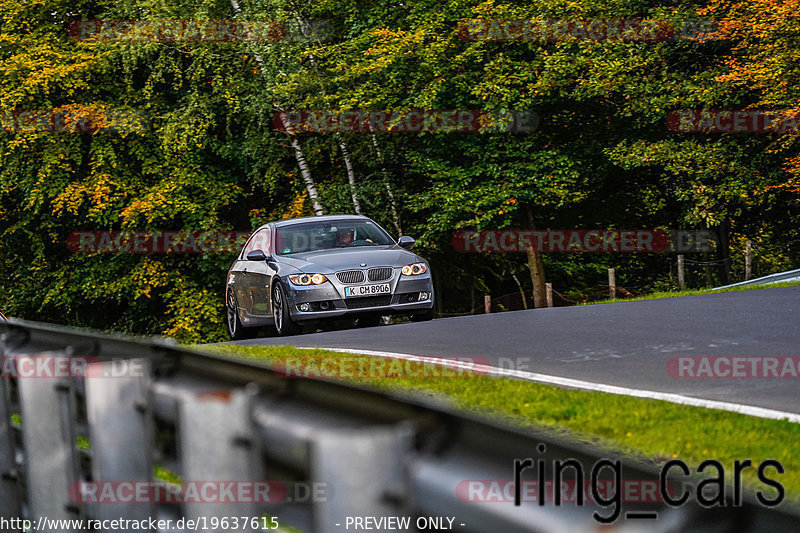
(649, 430)
(694, 292)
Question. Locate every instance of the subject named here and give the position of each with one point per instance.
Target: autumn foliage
(203, 152)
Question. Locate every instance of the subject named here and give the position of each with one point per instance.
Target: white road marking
(749, 410)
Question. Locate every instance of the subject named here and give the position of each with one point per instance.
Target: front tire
(236, 330)
(284, 324)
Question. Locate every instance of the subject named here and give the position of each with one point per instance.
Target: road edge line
(749, 410)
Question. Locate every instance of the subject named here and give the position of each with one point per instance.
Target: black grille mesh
(380, 274)
(350, 276)
(367, 301)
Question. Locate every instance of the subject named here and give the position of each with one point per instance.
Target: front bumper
(403, 298)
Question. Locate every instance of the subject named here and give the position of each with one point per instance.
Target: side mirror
(405, 242)
(256, 255)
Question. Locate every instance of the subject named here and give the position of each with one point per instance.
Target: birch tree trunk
(302, 163)
(521, 290)
(392, 204)
(351, 177)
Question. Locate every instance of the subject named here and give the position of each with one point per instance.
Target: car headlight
(307, 279)
(414, 269)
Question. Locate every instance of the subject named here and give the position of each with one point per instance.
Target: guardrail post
(216, 444)
(120, 431)
(681, 279)
(549, 292)
(9, 482)
(47, 406)
(369, 462)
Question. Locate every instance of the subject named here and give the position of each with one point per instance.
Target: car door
(255, 278)
(236, 282)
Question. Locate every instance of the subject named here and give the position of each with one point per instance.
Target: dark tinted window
(312, 236)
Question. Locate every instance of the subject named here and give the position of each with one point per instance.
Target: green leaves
(207, 155)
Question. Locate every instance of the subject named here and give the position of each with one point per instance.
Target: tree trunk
(351, 177)
(392, 204)
(724, 252)
(521, 291)
(536, 267)
(302, 163)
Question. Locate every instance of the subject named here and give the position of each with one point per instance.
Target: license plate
(367, 290)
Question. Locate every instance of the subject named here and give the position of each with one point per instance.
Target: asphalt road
(626, 344)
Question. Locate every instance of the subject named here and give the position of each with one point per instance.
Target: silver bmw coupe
(298, 272)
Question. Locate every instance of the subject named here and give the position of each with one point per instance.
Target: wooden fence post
(612, 284)
(748, 265)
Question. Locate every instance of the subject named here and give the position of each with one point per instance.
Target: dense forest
(169, 121)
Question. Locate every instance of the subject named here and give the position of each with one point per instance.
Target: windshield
(313, 236)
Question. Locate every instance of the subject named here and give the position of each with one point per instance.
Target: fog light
(424, 296)
(324, 306)
(304, 307)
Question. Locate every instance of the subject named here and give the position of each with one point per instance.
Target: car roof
(325, 218)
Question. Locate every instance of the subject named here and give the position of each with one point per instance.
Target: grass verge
(649, 430)
(694, 292)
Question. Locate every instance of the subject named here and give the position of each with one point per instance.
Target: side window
(259, 241)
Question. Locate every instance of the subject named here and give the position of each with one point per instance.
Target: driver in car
(345, 236)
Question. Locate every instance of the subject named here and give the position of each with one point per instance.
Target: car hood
(327, 261)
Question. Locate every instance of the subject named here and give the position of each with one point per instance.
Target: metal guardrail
(780, 277)
(205, 417)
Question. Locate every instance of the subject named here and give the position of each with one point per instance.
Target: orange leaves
(763, 54)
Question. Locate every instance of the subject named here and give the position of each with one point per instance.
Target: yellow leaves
(70, 200)
(298, 207)
(42, 66)
(97, 190)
